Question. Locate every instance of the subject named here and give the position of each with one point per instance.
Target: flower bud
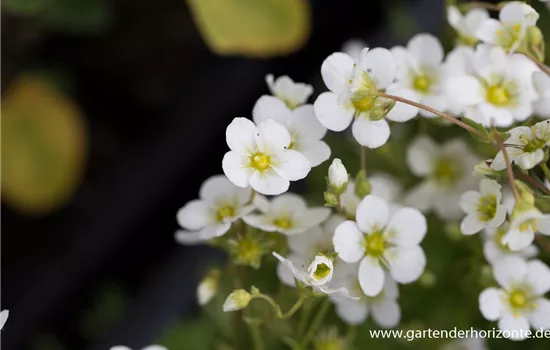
(331, 200)
(535, 43)
(380, 112)
(525, 193)
(237, 300)
(484, 170)
(362, 185)
(208, 287)
(337, 177)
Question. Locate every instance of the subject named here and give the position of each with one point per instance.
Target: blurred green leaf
(43, 146)
(191, 334)
(251, 27)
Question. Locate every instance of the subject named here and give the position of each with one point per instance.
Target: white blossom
(446, 172)
(541, 82)
(499, 90)
(338, 176)
(377, 238)
(287, 214)
(466, 25)
(353, 48)
(3, 318)
(483, 209)
(420, 72)
(220, 203)
(519, 302)
(509, 30)
(260, 157)
(208, 287)
(494, 249)
(383, 307)
(305, 130)
(285, 89)
(237, 300)
(353, 94)
(524, 225)
(525, 146)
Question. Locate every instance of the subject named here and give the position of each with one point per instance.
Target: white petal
(271, 137)
(529, 160)
(496, 115)
(421, 155)
(285, 275)
(268, 182)
(315, 216)
(372, 212)
(544, 224)
(305, 122)
(3, 318)
(475, 18)
(540, 318)
(194, 215)
(371, 276)
(269, 107)
(371, 134)
(315, 151)
(491, 251)
(402, 112)
(240, 135)
(436, 101)
(292, 165)
(422, 196)
(347, 242)
(499, 218)
(352, 312)
(471, 224)
(515, 326)
(287, 203)
(235, 167)
(315, 236)
(380, 66)
(426, 49)
(517, 240)
(262, 222)
(219, 186)
(386, 313)
(385, 186)
(487, 31)
(336, 71)
(542, 107)
(464, 90)
(490, 304)
(454, 17)
(469, 201)
(538, 275)
(407, 227)
(406, 263)
(509, 270)
(120, 347)
(332, 113)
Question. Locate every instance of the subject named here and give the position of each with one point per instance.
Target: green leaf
(487, 137)
(251, 27)
(43, 146)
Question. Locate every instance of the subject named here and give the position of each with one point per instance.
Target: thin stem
(509, 168)
(436, 112)
(545, 170)
(363, 157)
(319, 317)
(535, 182)
(541, 65)
(479, 4)
(304, 316)
(256, 336)
(277, 308)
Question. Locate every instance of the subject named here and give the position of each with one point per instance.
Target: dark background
(156, 102)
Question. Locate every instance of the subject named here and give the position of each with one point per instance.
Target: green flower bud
(237, 300)
(331, 200)
(362, 185)
(483, 170)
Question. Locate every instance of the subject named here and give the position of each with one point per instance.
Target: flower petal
(464, 90)
(268, 182)
(372, 212)
(538, 275)
(426, 49)
(490, 304)
(305, 122)
(314, 216)
(371, 276)
(292, 165)
(262, 222)
(386, 313)
(219, 186)
(270, 107)
(406, 263)
(516, 327)
(407, 227)
(379, 64)
(421, 155)
(422, 196)
(236, 168)
(240, 135)
(540, 318)
(347, 242)
(469, 201)
(315, 151)
(402, 112)
(271, 137)
(333, 113)
(336, 70)
(194, 215)
(509, 270)
(352, 312)
(487, 31)
(471, 224)
(371, 134)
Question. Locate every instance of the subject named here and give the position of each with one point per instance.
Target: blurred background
(113, 114)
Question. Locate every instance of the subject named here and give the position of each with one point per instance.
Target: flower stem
(304, 316)
(509, 168)
(533, 181)
(540, 64)
(277, 308)
(363, 158)
(545, 170)
(436, 112)
(256, 336)
(319, 317)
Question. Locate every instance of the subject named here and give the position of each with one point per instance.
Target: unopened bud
(362, 185)
(484, 170)
(338, 177)
(535, 42)
(380, 112)
(208, 287)
(525, 193)
(331, 200)
(237, 300)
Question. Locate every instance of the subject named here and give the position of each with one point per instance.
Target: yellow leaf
(258, 28)
(43, 146)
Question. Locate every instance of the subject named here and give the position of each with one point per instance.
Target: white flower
(446, 170)
(377, 239)
(519, 303)
(524, 226)
(384, 307)
(466, 25)
(354, 47)
(466, 344)
(287, 214)
(220, 203)
(458, 62)
(525, 146)
(237, 300)
(353, 88)
(494, 249)
(500, 89)
(291, 93)
(509, 30)
(3, 318)
(317, 275)
(541, 82)
(260, 157)
(304, 247)
(150, 347)
(208, 287)
(483, 209)
(338, 176)
(420, 72)
(305, 130)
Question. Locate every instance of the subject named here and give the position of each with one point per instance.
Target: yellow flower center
(422, 83)
(487, 207)
(374, 244)
(446, 171)
(321, 271)
(498, 96)
(528, 225)
(283, 222)
(363, 103)
(225, 212)
(260, 161)
(248, 250)
(501, 231)
(518, 299)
